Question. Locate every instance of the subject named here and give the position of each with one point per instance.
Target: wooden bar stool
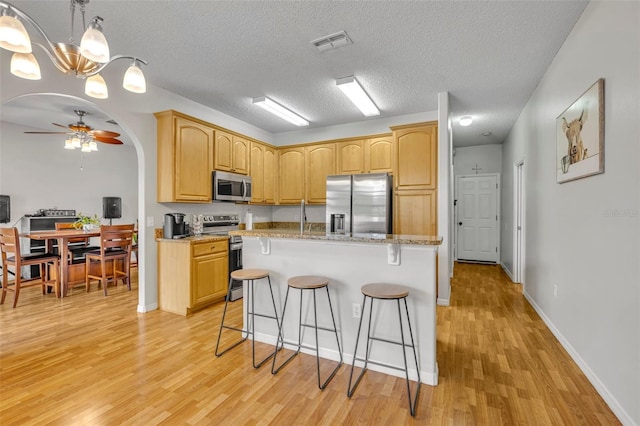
(379, 291)
(302, 283)
(249, 275)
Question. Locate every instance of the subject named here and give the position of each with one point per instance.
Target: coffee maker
(175, 226)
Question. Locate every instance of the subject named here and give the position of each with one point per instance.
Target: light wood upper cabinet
(373, 155)
(263, 173)
(231, 153)
(320, 162)
(291, 175)
(185, 158)
(350, 157)
(378, 155)
(416, 156)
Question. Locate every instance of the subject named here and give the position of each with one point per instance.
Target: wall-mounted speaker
(5, 209)
(111, 207)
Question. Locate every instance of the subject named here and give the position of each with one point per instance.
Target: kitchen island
(349, 261)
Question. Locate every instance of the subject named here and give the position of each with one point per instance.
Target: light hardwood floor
(92, 360)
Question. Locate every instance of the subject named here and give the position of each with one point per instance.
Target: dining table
(62, 237)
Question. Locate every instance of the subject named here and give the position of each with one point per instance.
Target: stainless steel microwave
(231, 187)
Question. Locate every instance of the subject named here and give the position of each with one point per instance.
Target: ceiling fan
(83, 133)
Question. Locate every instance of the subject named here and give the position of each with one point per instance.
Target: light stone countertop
(202, 238)
(425, 240)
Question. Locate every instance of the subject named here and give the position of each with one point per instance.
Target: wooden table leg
(64, 266)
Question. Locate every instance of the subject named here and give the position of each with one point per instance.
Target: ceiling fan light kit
(84, 137)
(84, 61)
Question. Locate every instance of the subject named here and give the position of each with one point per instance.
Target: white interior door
(478, 218)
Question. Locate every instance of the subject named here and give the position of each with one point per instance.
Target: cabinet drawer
(202, 249)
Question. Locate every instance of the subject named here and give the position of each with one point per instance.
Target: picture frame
(580, 136)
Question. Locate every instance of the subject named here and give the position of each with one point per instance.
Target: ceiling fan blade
(104, 133)
(60, 125)
(50, 133)
(111, 141)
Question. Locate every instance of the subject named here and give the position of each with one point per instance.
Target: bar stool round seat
(308, 282)
(313, 283)
(248, 330)
(249, 274)
(386, 292)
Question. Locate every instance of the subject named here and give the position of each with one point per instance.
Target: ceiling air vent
(332, 41)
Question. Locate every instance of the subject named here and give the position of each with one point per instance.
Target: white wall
(38, 173)
(487, 158)
(583, 236)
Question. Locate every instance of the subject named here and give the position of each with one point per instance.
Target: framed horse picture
(580, 136)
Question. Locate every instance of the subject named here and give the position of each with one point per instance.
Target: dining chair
(13, 258)
(115, 249)
(77, 247)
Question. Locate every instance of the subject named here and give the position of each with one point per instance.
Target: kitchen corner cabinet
(320, 162)
(291, 175)
(185, 158)
(416, 179)
(231, 153)
(263, 173)
(192, 274)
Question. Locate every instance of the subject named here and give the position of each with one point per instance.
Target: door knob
(459, 223)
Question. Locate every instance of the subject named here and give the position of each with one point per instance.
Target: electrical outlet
(357, 310)
(296, 217)
(555, 291)
(150, 222)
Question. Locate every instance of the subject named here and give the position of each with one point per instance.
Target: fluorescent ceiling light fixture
(280, 111)
(355, 92)
(466, 120)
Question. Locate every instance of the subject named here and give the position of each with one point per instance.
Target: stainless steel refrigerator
(359, 204)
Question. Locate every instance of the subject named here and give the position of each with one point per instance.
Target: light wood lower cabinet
(192, 274)
(415, 212)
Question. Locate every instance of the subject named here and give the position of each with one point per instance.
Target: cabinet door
(415, 213)
(223, 159)
(210, 275)
(378, 155)
(320, 162)
(291, 175)
(416, 156)
(193, 155)
(257, 173)
(270, 175)
(350, 157)
(240, 156)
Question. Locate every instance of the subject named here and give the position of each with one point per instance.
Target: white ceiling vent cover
(332, 41)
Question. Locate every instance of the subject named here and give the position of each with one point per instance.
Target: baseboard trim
(611, 401)
(507, 271)
(442, 302)
(147, 308)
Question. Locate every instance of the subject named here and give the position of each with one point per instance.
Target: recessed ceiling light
(487, 134)
(466, 120)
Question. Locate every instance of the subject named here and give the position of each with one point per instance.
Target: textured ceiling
(488, 55)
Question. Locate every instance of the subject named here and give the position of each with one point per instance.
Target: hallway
(500, 364)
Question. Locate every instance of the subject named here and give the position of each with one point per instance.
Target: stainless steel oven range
(214, 224)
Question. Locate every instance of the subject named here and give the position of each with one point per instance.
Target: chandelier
(85, 61)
